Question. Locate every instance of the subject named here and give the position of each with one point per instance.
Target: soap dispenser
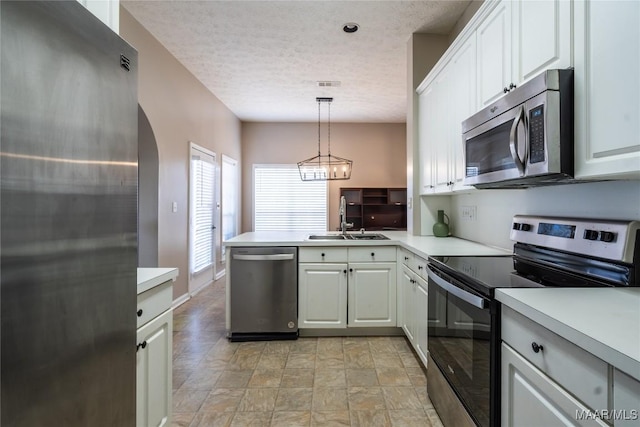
(441, 228)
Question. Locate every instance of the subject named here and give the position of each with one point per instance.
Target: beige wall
(180, 109)
(378, 152)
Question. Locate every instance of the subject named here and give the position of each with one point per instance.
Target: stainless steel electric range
(463, 379)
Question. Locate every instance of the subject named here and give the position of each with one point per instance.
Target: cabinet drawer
(154, 301)
(322, 255)
(372, 253)
(575, 369)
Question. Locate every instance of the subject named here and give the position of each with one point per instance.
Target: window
(202, 209)
(229, 199)
(283, 202)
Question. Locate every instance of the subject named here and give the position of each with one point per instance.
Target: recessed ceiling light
(350, 27)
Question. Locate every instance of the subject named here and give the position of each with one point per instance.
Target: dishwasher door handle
(272, 257)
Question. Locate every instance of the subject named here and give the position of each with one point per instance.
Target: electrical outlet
(469, 213)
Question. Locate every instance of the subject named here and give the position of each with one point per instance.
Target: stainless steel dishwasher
(264, 293)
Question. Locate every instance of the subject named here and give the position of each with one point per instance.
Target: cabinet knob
(139, 312)
(512, 86)
(537, 348)
(373, 254)
(406, 258)
(322, 254)
(345, 271)
(505, 90)
(351, 270)
(143, 344)
(419, 267)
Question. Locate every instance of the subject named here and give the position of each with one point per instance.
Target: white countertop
(421, 245)
(603, 321)
(151, 277)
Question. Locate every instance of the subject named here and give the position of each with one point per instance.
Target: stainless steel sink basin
(326, 237)
(368, 236)
(354, 236)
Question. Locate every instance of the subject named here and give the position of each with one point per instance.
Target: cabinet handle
(512, 86)
(373, 254)
(536, 347)
(505, 89)
(345, 271)
(139, 312)
(141, 345)
(406, 258)
(351, 270)
(322, 254)
(419, 267)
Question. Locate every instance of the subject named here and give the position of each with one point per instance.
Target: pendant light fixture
(325, 167)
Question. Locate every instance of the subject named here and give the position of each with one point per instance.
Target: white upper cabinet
(494, 54)
(607, 89)
(427, 126)
(542, 35)
(520, 39)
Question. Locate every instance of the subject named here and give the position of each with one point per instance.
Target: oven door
(462, 343)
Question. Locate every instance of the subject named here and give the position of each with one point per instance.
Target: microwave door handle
(468, 297)
(513, 140)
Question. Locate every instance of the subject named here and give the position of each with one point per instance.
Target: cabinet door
(153, 371)
(427, 124)
(462, 96)
(440, 140)
(421, 304)
(494, 54)
(408, 295)
(530, 398)
(542, 35)
(372, 294)
(607, 89)
(626, 399)
(322, 296)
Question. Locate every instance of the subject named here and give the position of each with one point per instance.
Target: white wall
(495, 208)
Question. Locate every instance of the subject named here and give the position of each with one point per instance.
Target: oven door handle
(472, 299)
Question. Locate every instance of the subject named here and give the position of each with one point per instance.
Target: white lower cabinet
(550, 381)
(626, 400)
(322, 295)
(531, 398)
(414, 308)
(372, 294)
(154, 372)
(360, 291)
(154, 357)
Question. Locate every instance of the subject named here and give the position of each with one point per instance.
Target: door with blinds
(202, 208)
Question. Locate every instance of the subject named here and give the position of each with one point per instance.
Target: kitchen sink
(366, 236)
(369, 236)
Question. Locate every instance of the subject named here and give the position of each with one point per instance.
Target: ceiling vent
(328, 83)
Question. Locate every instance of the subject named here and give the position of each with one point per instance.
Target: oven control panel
(614, 240)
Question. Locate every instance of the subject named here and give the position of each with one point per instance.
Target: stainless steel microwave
(525, 138)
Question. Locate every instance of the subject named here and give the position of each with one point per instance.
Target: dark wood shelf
(376, 208)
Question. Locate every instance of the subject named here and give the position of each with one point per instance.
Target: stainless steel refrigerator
(68, 208)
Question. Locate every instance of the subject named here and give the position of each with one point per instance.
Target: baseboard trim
(180, 300)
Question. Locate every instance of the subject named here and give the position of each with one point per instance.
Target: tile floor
(372, 381)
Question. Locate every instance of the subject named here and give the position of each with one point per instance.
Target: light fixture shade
(325, 168)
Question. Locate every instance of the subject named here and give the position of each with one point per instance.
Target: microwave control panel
(536, 134)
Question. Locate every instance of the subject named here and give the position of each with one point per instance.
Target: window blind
(283, 202)
(202, 169)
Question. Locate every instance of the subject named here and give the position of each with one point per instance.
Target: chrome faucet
(343, 216)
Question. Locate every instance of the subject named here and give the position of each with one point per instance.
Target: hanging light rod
(325, 167)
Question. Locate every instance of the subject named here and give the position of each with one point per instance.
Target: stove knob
(607, 236)
(590, 235)
(525, 227)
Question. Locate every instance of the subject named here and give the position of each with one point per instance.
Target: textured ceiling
(262, 59)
